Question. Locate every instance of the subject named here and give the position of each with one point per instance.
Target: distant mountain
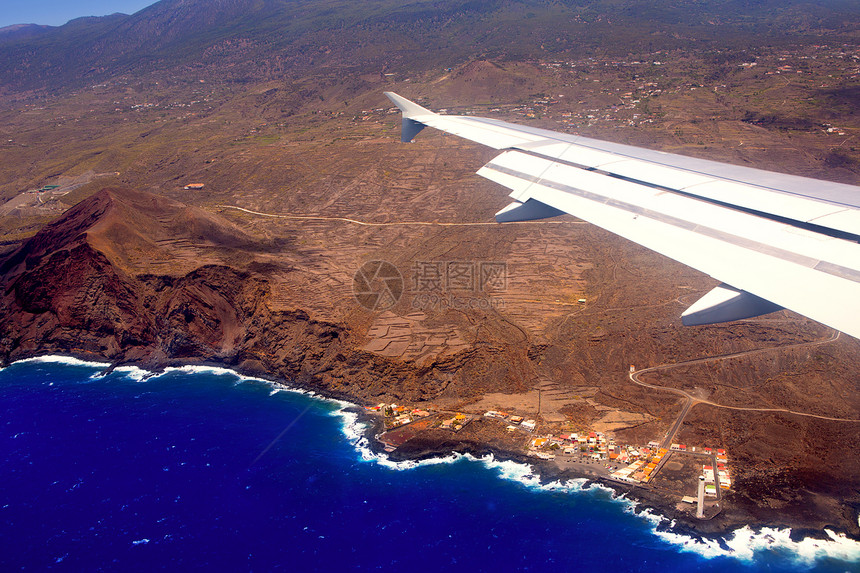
(18, 32)
(240, 40)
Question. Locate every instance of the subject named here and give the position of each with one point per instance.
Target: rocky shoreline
(734, 515)
(63, 295)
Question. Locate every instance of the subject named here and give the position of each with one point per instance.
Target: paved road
(670, 435)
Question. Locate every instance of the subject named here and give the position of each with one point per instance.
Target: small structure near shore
(700, 509)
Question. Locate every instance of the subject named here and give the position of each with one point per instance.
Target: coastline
(734, 534)
(730, 520)
(739, 539)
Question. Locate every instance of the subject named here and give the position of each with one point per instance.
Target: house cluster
(822, 59)
(644, 466)
(513, 422)
(721, 472)
(169, 105)
(594, 445)
(395, 415)
(456, 423)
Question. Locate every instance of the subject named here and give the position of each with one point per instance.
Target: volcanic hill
(137, 277)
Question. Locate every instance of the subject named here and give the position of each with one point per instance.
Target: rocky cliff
(74, 289)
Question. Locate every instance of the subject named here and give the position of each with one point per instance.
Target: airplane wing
(774, 240)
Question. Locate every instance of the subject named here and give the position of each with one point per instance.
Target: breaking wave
(67, 360)
(744, 544)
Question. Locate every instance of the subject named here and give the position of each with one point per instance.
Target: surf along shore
(483, 438)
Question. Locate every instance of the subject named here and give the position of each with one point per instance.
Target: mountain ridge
(63, 292)
(304, 33)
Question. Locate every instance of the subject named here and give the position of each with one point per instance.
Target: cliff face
(73, 289)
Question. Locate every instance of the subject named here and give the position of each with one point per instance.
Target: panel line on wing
(839, 271)
(838, 194)
(763, 248)
(806, 225)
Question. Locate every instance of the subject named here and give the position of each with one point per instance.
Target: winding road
(691, 400)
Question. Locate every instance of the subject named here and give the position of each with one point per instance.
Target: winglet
(409, 108)
(409, 127)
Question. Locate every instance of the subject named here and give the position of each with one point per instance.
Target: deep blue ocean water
(201, 469)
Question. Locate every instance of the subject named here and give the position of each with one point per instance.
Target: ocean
(203, 469)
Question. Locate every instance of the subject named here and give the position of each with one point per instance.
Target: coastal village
(634, 102)
(672, 469)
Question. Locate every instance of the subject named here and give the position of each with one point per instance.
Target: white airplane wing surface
(773, 240)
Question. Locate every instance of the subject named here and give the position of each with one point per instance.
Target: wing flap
(725, 303)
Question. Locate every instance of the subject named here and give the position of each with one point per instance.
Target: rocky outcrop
(73, 289)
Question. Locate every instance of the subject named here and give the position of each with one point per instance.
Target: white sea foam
(368, 455)
(197, 369)
(216, 370)
(743, 544)
(140, 375)
(350, 426)
(221, 371)
(68, 360)
(746, 545)
(354, 431)
(525, 474)
(746, 542)
(133, 372)
(274, 387)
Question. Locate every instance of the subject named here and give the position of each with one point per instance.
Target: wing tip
(409, 108)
